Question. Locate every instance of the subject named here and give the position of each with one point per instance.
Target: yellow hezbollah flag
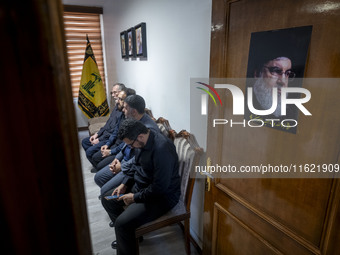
(92, 97)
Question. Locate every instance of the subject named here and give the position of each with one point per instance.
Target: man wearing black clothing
(153, 188)
(93, 143)
(133, 107)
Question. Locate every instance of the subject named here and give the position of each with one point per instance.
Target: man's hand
(115, 166)
(127, 198)
(119, 190)
(106, 153)
(95, 141)
(93, 138)
(103, 148)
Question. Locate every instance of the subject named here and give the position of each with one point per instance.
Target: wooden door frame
(42, 193)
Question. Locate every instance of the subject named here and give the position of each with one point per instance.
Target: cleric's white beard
(264, 95)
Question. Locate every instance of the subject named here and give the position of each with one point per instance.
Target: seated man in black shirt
(151, 190)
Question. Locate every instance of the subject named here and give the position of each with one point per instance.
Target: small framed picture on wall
(140, 43)
(131, 42)
(124, 44)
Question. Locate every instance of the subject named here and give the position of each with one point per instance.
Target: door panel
(225, 223)
(304, 201)
(274, 216)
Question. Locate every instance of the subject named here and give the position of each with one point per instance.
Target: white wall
(178, 46)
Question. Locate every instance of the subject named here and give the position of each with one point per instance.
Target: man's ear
(140, 137)
(134, 111)
(257, 74)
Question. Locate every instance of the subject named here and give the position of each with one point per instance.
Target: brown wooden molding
(85, 9)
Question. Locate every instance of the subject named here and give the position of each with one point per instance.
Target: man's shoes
(111, 224)
(114, 244)
(94, 170)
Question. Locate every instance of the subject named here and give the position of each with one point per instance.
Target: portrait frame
(123, 44)
(131, 41)
(273, 56)
(140, 40)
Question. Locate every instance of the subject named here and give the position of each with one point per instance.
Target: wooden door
(42, 199)
(275, 216)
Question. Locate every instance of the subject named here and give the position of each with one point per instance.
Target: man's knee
(85, 143)
(90, 152)
(105, 203)
(98, 180)
(101, 177)
(102, 162)
(97, 156)
(123, 224)
(132, 217)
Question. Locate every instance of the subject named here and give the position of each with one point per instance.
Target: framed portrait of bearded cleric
(276, 66)
(140, 36)
(124, 44)
(131, 50)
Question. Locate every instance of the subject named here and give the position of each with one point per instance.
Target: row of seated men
(135, 162)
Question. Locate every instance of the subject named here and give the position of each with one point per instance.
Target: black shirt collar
(150, 142)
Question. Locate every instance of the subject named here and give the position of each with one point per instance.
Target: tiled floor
(165, 241)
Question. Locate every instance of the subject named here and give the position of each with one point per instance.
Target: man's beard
(264, 95)
(113, 103)
(119, 107)
(141, 144)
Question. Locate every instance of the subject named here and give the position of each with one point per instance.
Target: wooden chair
(189, 154)
(149, 112)
(165, 128)
(95, 124)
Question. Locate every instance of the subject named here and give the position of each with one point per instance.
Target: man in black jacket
(151, 190)
(133, 107)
